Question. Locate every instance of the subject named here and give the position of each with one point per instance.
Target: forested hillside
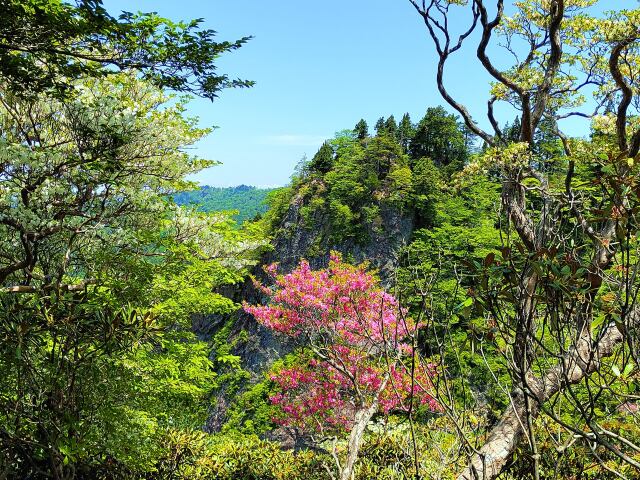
(443, 297)
(248, 202)
(364, 193)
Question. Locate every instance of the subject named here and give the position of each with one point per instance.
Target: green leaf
(468, 302)
(599, 320)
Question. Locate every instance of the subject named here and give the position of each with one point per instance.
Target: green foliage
(101, 273)
(440, 137)
(391, 127)
(406, 131)
(354, 178)
(97, 354)
(400, 185)
(226, 364)
(278, 203)
(251, 412)
(576, 458)
(190, 454)
(427, 181)
(246, 202)
(461, 230)
(47, 44)
(322, 161)
(361, 129)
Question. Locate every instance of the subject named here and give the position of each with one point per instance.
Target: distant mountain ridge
(248, 201)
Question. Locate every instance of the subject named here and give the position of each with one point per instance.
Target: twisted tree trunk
(582, 360)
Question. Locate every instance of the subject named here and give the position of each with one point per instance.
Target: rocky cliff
(298, 237)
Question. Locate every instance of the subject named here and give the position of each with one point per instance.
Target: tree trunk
(502, 441)
(581, 360)
(363, 416)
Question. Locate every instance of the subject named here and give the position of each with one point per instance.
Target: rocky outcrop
(302, 238)
(296, 239)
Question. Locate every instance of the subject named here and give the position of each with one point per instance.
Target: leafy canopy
(46, 44)
(100, 276)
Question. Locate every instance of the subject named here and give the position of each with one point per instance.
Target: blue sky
(319, 67)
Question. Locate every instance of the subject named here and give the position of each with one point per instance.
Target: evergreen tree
(547, 145)
(361, 129)
(322, 161)
(380, 126)
(406, 131)
(512, 131)
(391, 127)
(439, 137)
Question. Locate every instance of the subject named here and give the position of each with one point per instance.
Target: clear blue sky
(319, 67)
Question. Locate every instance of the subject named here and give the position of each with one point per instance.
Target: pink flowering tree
(359, 358)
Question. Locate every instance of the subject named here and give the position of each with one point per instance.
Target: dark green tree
(547, 145)
(361, 129)
(439, 137)
(391, 127)
(380, 126)
(426, 191)
(45, 44)
(322, 161)
(381, 154)
(406, 131)
(512, 131)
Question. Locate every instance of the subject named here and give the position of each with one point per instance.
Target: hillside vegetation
(247, 202)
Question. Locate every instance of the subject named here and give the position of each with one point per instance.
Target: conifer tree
(406, 131)
(361, 129)
(512, 131)
(322, 161)
(380, 126)
(439, 137)
(391, 127)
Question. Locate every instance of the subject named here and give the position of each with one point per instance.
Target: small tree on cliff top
(360, 363)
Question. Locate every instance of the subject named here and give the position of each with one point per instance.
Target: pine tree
(380, 126)
(440, 138)
(322, 161)
(391, 127)
(406, 131)
(547, 146)
(361, 129)
(512, 131)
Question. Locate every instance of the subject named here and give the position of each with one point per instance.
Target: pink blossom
(359, 332)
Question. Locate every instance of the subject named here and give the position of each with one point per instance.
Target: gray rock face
(256, 346)
(381, 248)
